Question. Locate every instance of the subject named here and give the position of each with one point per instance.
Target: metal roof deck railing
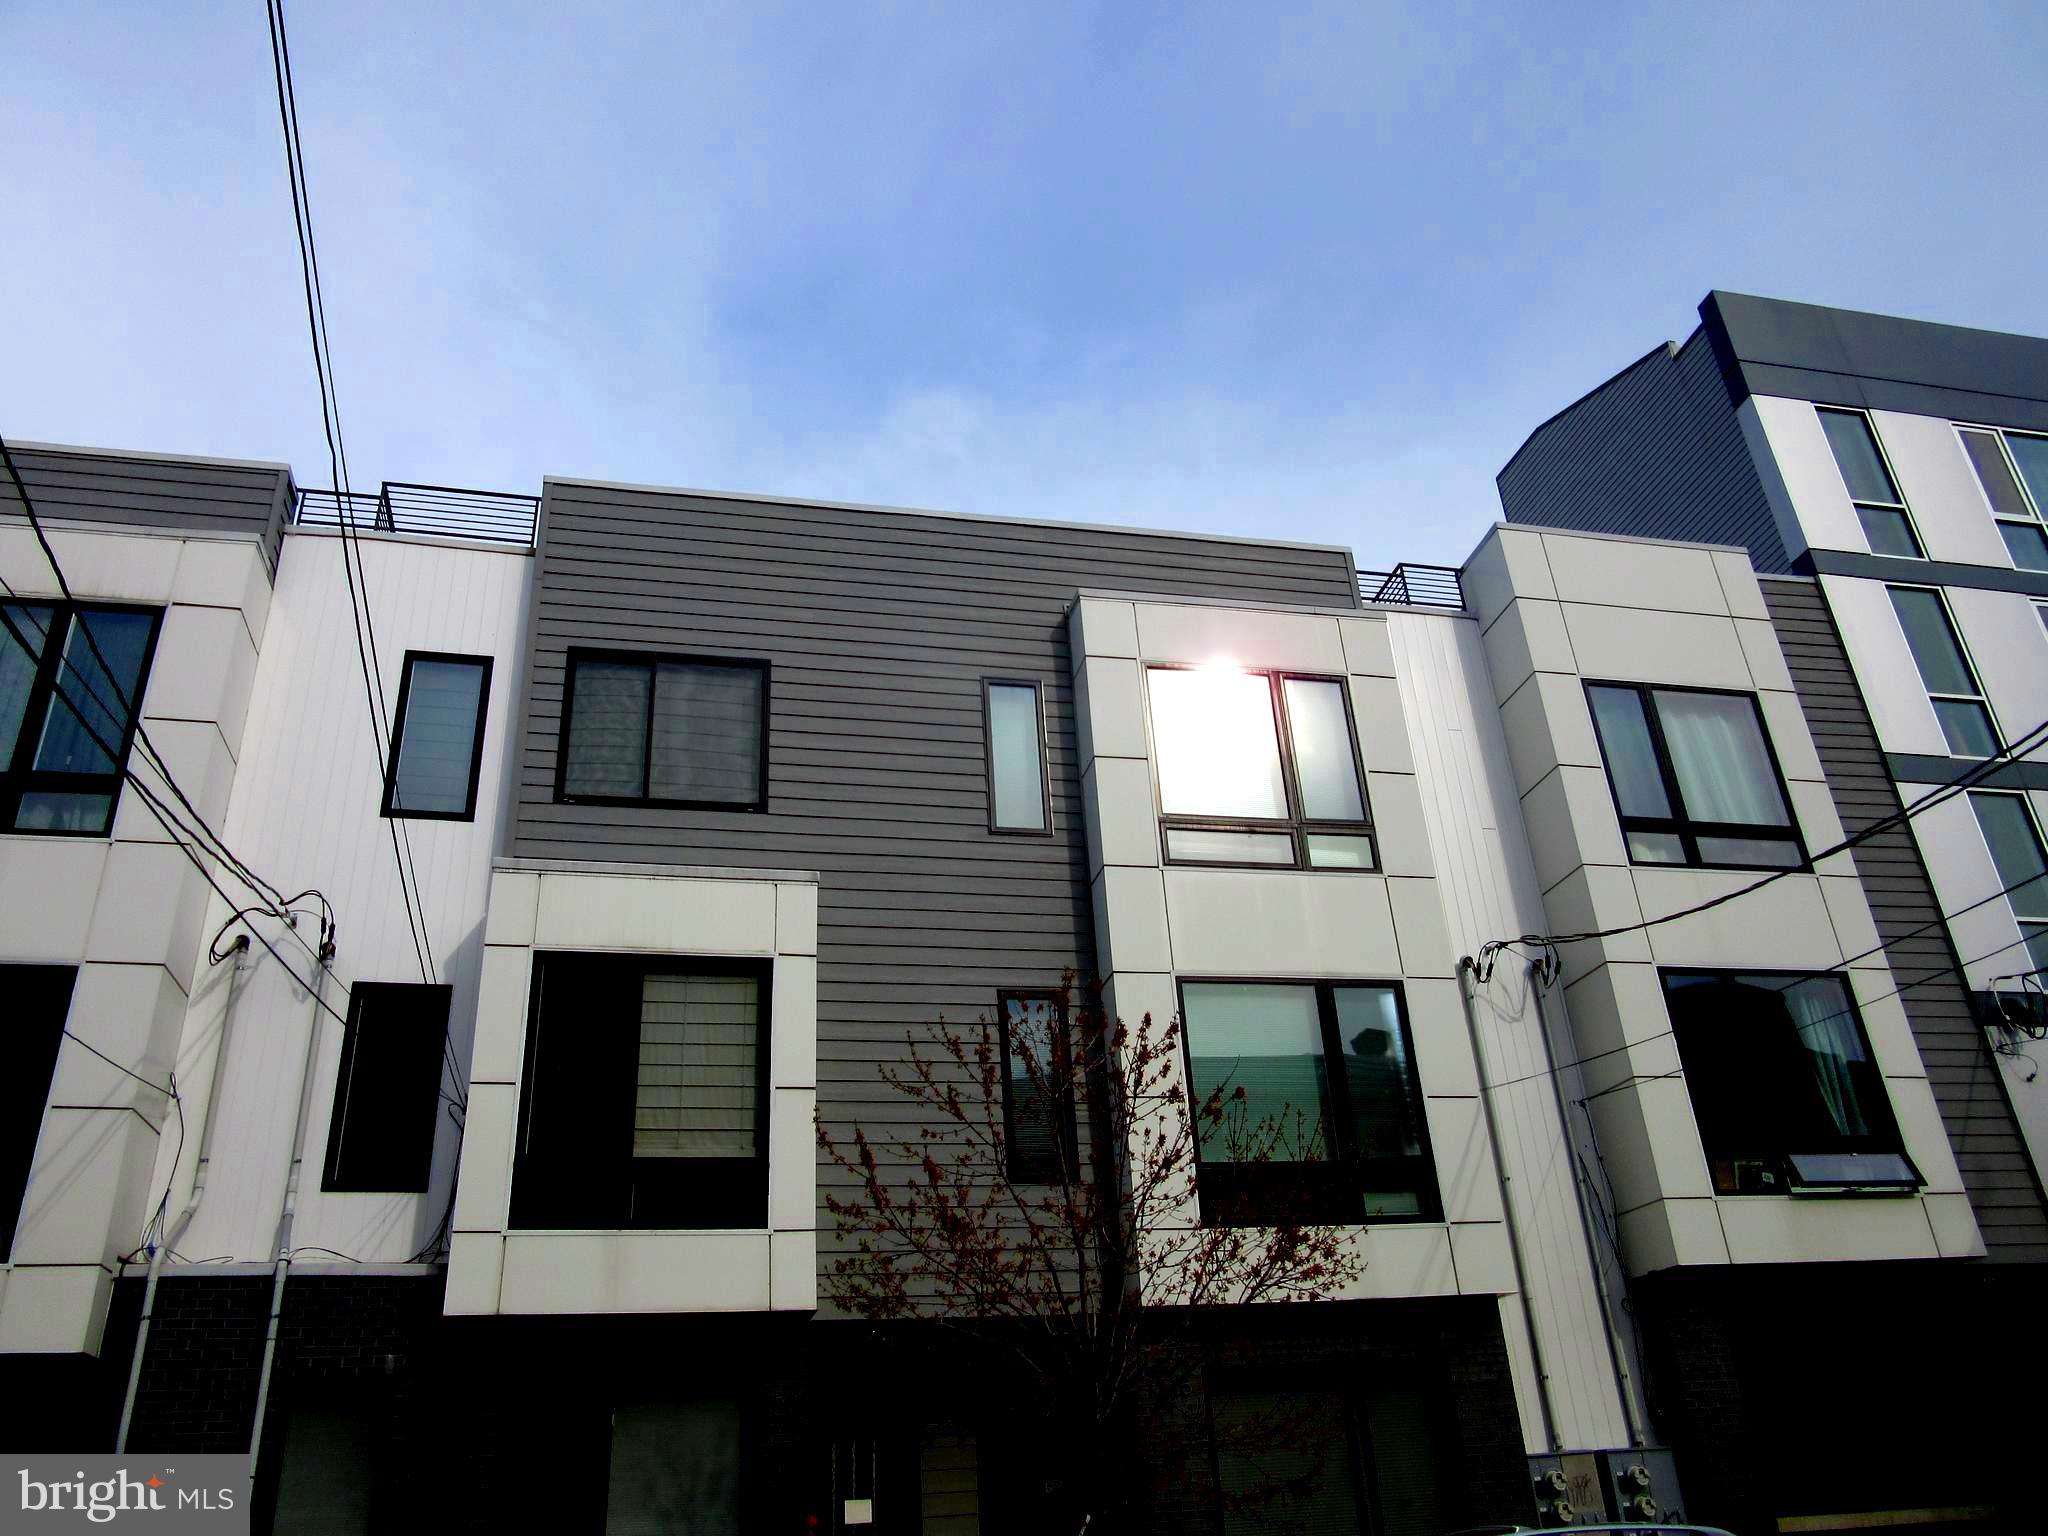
(436, 511)
(1415, 586)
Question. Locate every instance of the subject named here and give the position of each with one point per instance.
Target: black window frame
(1892, 1144)
(1253, 1194)
(1066, 1120)
(18, 776)
(2036, 515)
(39, 999)
(1297, 826)
(1687, 830)
(1955, 633)
(476, 745)
(1860, 505)
(584, 1185)
(650, 659)
(338, 1177)
(988, 739)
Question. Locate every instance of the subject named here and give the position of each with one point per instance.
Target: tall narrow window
(1783, 1084)
(2013, 469)
(66, 720)
(38, 998)
(1038, 1105)
(1693, 777)
(387, 1095)
(437, 744)
(2016, 853)
(1879, 507)
(1019, 797)
(1258, 768)
(1952, 686)
(1329, 1124)
(664, 730)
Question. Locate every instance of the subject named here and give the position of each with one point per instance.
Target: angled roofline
(1665, 349)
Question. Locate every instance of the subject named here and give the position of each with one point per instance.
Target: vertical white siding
(1489, 890)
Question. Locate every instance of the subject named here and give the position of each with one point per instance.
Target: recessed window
(1258, 768)
(676, 1466)
(1952, 686)
(1038, 1106)
(1329, 1127)
(65, 720)
(1879, 507)
(38, 1000)
(387, 1095)
(645, 1099)
(2016, 853)
(665, 730)
(1783, 1084)
(437, 744)
(1019, 799)
(1693, 777)
(2012, 467)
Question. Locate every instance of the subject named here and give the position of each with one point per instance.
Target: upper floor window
(1330, 1126)
(2016, 853)
(2013, 469)
(1258, 768)
(1019, 797)
(1694, 778)
(66, 720)
(1783, 1084)
(38, 1000)
(1038, 1103)
(387, 1098)
(1952, 686)
(1879, 507)
(437, 744)
(645, 1096)
(664, 730)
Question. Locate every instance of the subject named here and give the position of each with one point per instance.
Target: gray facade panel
(1655, 452)
(878, 628)
(1968, 1087)
(177, 495)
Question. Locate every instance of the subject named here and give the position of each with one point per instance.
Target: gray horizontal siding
(878, 628)
(1967, 1084)
(1655, 452)
(164, 493)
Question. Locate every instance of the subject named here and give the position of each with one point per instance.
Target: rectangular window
(2016, 852)
(1879, 507)
(1783, 1084)
(66, 721)
(1952, 686)
(1694, 778)
(645, 1099)
(437, 741)
(664, 730)
(1019, 795)
(1329, 1124)
(1038, 1103)
(1258, 768)
(38, 1001)
(387, 1095)
(2012, 467)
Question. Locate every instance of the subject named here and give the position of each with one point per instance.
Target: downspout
(290, 1209)
(1466, 968)
(169, 1239)
(1615, 1360)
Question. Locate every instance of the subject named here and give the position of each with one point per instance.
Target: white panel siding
(1488, 888)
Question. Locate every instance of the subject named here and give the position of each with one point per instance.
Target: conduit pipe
(167, 1240)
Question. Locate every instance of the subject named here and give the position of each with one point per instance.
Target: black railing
(440, 511)
(1416, 586)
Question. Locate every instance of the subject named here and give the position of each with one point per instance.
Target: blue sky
(1307, 272)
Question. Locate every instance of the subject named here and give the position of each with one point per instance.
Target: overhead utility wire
(337, 456)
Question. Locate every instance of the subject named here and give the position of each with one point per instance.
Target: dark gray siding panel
(1655, 452)
(1966, 1080)
(148, 492)
(878, 628)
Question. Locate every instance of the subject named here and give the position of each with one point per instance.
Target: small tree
(1092, 1279)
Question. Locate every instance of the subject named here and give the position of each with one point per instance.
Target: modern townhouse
(698, 803)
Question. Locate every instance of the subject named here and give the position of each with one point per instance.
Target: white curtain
(1827, 1029)
(1718, 753)
(697, 1093)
